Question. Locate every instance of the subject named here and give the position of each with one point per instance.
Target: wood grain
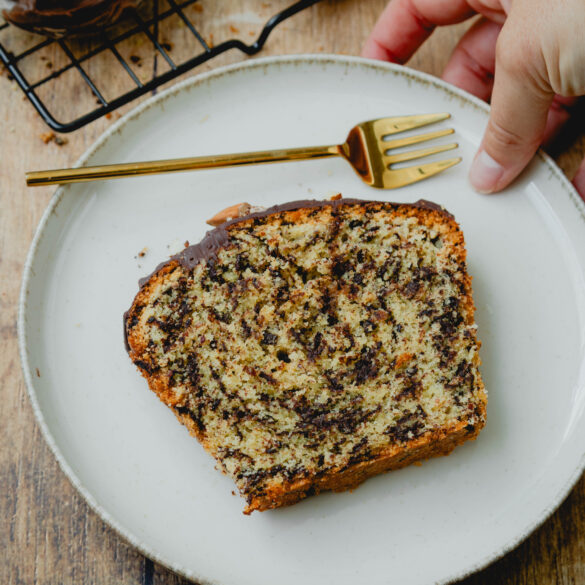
(48, 534)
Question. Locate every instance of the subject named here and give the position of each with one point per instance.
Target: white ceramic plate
(148, 478)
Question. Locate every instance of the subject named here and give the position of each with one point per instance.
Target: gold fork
(366, 149)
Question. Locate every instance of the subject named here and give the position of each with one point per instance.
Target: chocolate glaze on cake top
(217, 238)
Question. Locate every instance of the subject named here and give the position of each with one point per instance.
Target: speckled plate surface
(140, 470)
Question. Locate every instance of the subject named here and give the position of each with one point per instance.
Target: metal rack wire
(107, 42)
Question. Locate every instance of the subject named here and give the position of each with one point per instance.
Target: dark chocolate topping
(215, 239)
(425, 204)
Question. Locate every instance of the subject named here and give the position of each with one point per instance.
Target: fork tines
(386, 127)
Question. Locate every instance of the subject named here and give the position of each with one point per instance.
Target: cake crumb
(38, 373)
(143, 252)
(47, 137)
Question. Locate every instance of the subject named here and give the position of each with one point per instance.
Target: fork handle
(62, 176)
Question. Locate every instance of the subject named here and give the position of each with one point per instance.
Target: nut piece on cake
(233, 212)
(315, 344)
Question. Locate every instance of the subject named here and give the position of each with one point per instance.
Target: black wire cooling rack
(108, 43)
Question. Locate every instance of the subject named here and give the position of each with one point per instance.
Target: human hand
(528, 55)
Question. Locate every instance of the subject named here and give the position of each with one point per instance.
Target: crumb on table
(47, 137)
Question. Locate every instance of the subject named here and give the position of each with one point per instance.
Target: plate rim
(200, 79)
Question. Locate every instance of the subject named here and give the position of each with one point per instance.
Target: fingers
(471, 66)
(520, 104)
(405, 24)
(522, 94)
(579, 180)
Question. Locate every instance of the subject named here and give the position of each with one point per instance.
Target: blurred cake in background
(57, 18)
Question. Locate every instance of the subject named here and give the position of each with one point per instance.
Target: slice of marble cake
(315, 344)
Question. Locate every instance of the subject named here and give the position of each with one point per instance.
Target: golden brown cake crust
(282, 489)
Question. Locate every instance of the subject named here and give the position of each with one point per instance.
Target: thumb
(521, 98)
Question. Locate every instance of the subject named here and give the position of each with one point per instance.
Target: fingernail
(485, 172)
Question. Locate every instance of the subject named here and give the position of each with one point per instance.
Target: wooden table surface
(48, 534)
